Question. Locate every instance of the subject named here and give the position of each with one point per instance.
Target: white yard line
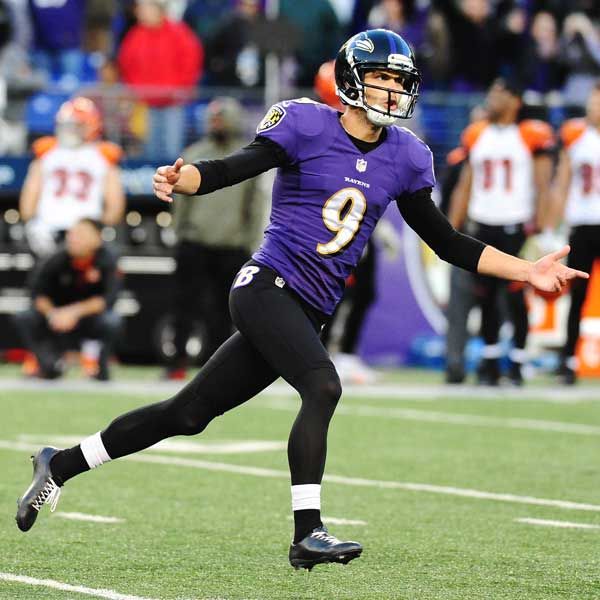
(349, 481)
(174, 445)
(562, 524)
(411, 391)
(358, 482)
(65, 587)
(429, 416)
(338, 521)
(77, 516)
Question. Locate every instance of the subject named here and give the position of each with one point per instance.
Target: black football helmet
(372, 50)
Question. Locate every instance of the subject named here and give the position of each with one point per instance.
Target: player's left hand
(549, 275)
(165, 178)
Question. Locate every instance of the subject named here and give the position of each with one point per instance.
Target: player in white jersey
(74, 175)
(503, 193)
(577, 198)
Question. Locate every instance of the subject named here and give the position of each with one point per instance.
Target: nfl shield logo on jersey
(361, 165)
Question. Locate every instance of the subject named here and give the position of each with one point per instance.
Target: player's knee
(112, 321)
(184, 420)
(193, 422)
(332, 388)
(323, 386)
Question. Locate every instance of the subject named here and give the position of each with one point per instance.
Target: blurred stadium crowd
(155, 70)
(152, 67)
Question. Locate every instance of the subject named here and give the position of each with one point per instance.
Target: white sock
(91, 349)
(518, 355)
(306, 497)
(491, 351)
(94, 452)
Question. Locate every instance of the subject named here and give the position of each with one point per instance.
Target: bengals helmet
(377, 49)
(78, 121)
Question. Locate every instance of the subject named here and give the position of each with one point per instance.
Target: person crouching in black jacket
(72, 296)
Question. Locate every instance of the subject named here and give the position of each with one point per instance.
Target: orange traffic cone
(588, 346)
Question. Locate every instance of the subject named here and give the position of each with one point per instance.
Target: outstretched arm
(207, 176)
(547, 274)
(422, 215)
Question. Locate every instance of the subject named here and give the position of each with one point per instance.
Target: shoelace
(325, 536)
(49, 495)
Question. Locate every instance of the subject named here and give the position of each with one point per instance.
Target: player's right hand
(164, 180)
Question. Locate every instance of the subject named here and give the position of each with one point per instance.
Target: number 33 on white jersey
(73, 181)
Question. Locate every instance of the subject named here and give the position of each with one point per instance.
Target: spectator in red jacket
(164, 61)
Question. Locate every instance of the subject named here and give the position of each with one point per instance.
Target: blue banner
(136, 175)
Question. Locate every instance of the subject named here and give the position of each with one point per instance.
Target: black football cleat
(488, 372)
(514, 374)
(455, 375)
(566, 375)
(322, 547)
(43, 490)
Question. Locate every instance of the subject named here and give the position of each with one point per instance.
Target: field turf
(432, 484)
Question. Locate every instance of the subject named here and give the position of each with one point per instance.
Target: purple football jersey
(327, 202)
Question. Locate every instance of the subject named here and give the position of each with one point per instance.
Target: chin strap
(380, 119)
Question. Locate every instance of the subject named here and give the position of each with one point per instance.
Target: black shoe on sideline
(514, 374)
(488, 372)
(43, 490)
(322, 547)
(103, 373)
(455, 375)
(565, 375)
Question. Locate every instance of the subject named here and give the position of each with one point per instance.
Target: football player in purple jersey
(337, 173)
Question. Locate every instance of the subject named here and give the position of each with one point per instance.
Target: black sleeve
(257, 157)
(421, 214)
(42, 280)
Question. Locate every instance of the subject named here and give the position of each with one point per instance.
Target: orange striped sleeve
(113, 153)
(43, 145)
(471, 134)
(571, 131)
(456, 156)
(537, 135)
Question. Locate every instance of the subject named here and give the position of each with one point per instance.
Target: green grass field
(201, 523)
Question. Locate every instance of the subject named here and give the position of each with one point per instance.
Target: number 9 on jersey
(342, 214)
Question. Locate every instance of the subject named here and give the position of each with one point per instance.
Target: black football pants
(509, 239)
(278, 335)
(360, 295)
(202, 280)
(585, 248)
